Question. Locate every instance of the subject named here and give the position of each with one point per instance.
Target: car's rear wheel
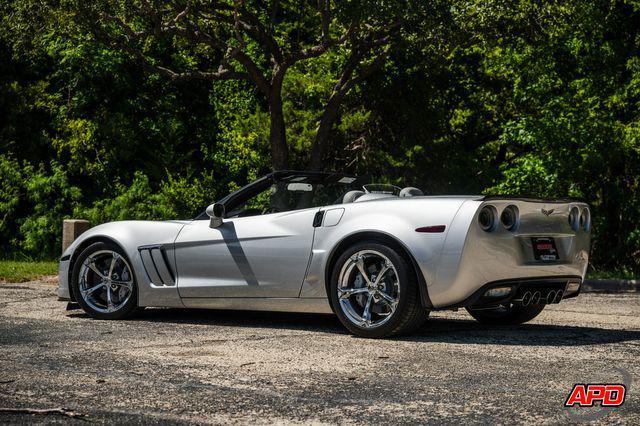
(374, 291)
(506, 315)
(103, 282)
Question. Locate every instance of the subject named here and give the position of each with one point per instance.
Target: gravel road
(177, 366)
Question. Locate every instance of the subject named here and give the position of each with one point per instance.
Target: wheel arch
(80, 248)
(383, 238)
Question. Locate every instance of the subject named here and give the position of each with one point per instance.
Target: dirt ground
(178, 366)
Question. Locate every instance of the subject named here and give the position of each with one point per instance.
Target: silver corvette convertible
(378, 256)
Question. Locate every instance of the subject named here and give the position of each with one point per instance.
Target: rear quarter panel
(483, 257)
(396, 217)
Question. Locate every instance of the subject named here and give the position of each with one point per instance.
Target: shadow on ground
(437, 330)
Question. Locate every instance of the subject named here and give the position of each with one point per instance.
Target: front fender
(129, 235)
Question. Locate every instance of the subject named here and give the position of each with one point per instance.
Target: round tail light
(574, 218)
(585, 219)
(487, 218)
(510, 218)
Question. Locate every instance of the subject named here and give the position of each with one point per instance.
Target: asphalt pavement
(179, 366)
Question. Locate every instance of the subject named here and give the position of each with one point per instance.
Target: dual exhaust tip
(534, 298)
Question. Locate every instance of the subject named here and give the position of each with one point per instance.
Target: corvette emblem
(547, 212)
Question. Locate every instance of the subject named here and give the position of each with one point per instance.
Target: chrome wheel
(368, 289)
(105, 281)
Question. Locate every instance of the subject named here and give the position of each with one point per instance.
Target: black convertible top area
(252, 189)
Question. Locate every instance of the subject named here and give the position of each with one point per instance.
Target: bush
(11, 201)
(51, 199)
(33, 203)
(176, 198)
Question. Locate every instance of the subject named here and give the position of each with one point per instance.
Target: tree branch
(193, 33)
(346, 81)
(325, 18)
(223, 72)
(252, 69)
(322, 47)
(241, 19)
(366, 71)
(227, 29)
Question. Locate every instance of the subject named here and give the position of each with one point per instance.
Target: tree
(469, 96)
(256, 42)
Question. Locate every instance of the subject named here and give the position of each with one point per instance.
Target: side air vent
(155, 264)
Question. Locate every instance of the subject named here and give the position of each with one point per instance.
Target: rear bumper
(545, 286)
(473, 258)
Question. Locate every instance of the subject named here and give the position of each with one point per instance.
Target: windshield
(297, 192)
(381, 188)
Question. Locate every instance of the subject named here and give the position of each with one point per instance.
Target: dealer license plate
(544, 249)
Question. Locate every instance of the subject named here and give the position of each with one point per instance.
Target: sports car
(378, 256)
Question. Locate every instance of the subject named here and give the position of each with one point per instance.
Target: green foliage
(135, 201)
(176, 198)
(33, 202)
(523, 97)
(243, 148)
(11, 193)
(306, 88)
(534, 98)
(51, 196)
(525, 175)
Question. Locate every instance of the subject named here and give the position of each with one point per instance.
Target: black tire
(506, 316)
(409, 314)
(128, 308)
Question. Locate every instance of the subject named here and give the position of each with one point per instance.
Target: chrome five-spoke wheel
(104, 283)
(374, 290)
(368, 288)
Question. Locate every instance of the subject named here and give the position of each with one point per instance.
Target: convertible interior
(288, 190)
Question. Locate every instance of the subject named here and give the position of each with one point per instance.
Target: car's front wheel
(103, 282)
(374, 291)
(506, 315)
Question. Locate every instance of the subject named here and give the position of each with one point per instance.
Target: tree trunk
(321, 140)
(277, 134)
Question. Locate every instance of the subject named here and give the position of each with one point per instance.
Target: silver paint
(256, 256)
(279, 260)
(332, 217)
(275, 304)
(130, 235)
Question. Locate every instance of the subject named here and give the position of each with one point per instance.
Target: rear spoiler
(531, 199)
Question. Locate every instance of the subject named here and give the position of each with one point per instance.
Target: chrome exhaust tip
(559, 296)
(526, 298)
(551, 297)
(535, 299)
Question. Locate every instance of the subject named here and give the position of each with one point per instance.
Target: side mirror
(216, 214)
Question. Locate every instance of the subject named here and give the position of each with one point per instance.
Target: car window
(286, 196)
